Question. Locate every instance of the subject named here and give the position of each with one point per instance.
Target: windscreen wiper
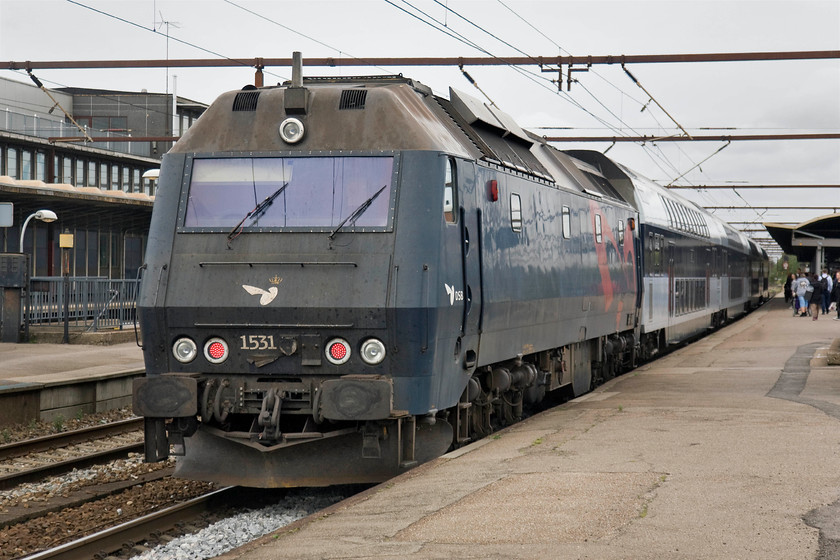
(258, 211)
(357, 213)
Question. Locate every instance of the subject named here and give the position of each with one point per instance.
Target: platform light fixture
(43, 215)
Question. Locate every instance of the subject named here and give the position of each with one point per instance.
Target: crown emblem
(275, 280)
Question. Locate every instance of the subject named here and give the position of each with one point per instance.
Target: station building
(90, 158)
(102, 190)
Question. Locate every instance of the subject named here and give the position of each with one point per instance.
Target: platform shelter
(815, 243)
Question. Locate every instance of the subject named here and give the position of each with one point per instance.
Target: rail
(136, 530)
(63, 439)
(93, 303)
(50, 467)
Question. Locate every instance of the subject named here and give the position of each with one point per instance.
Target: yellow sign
(65, 240)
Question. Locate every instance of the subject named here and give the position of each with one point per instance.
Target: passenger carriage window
(515, 212)
(683, 217)
(670, 210)
(567, 222)
(599, 237)
(450, 194)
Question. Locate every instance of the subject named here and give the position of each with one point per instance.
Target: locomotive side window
(621, 233)
(515, 212)
(320, 192)
(450, 194)
(567, 222)
(599, 236)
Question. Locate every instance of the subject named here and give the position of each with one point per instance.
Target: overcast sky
(749, 97)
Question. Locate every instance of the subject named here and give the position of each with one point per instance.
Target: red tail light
(338, 351)
(216, 350)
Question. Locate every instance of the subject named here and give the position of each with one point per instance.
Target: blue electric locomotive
(346, 276)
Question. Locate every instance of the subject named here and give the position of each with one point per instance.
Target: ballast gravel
(240, 529)
(62, 485)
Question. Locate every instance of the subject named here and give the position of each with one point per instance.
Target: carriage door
(671, 274)
(461, 211)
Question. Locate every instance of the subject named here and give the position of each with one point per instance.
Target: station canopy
(806, 239)
(79, 206)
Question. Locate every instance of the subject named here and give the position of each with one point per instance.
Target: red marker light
(216, 350)
(338, 351)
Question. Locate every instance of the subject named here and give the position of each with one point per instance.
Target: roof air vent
(246, 101)
(352, 99)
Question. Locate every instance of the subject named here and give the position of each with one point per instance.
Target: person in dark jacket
(835, 294)
(819, 285)
(788, 292)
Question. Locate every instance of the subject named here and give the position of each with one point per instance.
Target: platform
(45, 381)
(728, 448)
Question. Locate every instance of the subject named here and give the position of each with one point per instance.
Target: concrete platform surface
(54, 363)
(51, 381)
(728, 448)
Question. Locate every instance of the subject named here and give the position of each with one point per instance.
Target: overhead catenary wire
(296, 32)
(139, 26)
(539, 80)
(653, 154)
(57, 104)
(517, 49)
(660, 154)
(699, 164)
(652, 98)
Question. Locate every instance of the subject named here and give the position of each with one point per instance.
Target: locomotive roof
(389, 113)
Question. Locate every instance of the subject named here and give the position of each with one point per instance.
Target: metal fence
(93, 303)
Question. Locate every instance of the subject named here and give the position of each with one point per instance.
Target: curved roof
(802, 240)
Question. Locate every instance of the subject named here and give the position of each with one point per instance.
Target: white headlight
(373, 351)
(291, 130)
(184, 350)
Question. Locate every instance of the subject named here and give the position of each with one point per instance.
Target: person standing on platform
(835, 295)
(818, 284)
(788, 289)
(802, 288)
(826, 298)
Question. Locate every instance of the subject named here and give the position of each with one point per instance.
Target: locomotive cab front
(292, 293)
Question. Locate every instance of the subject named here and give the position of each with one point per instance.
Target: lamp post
(43, 215)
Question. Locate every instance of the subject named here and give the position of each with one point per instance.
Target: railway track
(37, 458)
(136, 530)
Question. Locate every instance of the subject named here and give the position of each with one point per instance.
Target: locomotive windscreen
(271, 192)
